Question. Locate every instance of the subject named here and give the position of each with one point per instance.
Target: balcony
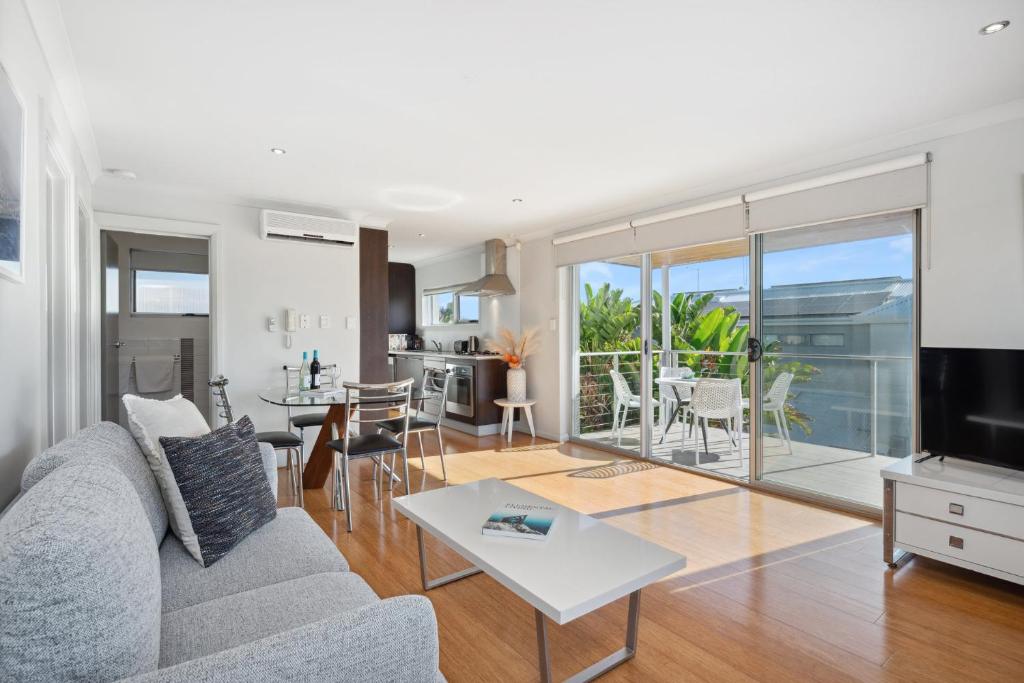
(847, 417)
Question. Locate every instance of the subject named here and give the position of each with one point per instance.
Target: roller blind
(873, 193)
(718, 225)
(620, 242)
(169, 262)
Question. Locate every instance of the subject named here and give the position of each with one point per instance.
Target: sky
(879, 257)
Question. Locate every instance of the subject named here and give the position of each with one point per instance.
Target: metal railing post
(874, 407)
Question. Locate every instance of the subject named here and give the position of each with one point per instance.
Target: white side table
(508, 414)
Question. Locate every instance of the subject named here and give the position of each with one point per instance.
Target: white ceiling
(578, 107)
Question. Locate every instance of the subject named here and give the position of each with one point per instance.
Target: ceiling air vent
(299, 227)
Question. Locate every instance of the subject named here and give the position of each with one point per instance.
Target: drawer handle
(956, 542)
(956, 509)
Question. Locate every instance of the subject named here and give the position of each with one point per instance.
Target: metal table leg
(434, 583)
(598, 668)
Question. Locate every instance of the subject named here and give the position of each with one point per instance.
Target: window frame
(133, 299)
(428, 301)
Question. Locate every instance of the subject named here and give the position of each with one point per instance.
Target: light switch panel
(304, 321)
(272, 324)
(325, 322)
(350, 322)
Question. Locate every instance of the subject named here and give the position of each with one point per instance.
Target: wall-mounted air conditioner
(299, 227)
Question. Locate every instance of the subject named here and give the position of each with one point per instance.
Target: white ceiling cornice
(825, 162)
(48, 23)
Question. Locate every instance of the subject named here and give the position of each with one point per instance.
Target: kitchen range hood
(495, 281)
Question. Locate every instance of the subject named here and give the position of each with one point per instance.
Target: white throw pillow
(148, 420)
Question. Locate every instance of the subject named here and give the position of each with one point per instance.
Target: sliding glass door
(700, 326)
(662, 367)
(609, 402)
(837, 323)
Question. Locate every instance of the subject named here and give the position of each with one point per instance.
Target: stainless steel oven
(461, 399)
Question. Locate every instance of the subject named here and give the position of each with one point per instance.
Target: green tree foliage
(610, 322)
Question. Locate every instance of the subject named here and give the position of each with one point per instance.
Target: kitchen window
(448, 308)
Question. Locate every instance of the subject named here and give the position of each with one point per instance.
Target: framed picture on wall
(12, 182)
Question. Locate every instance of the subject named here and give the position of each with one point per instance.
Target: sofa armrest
(270, 465)
(392, 640)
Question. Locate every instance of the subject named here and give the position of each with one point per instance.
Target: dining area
(353, 421)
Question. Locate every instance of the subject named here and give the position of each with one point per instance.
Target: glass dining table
(318, 466)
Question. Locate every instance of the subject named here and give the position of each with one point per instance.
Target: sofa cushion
(148, 420)
(289, 547)
(221, 479)
(79, 579)
(234, 620)
(110, 442)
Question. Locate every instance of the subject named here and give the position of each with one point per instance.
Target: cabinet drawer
(988, 550)
(990, 515)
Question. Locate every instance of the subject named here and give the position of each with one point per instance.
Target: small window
(169, 283)
(469, 309)
(167, 293)
(449, 308)
(828, 340)
(794, 339)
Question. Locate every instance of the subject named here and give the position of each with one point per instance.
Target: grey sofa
(93, 587)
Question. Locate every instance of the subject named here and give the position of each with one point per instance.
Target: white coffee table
(584, 563)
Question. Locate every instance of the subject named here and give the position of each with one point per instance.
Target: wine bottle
(314, 371)
(304, 372)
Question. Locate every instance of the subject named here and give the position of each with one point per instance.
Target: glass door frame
(756, 455)
(756, 379)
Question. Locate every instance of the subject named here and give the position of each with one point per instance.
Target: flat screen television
(972, 404)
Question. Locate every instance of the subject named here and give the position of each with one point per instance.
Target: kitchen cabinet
(401, 298)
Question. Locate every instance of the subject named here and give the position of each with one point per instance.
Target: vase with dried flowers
(515, 350)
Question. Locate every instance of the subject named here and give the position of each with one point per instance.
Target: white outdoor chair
(671, 397)
(717, 399)
(625, 399)
(775, 403)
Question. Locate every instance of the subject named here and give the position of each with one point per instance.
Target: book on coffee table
(520, 520)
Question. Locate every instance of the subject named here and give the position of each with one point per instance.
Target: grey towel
(154, 374)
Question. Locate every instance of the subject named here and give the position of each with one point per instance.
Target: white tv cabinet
(955, 511)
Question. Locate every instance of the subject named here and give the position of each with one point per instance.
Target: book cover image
(520, 520)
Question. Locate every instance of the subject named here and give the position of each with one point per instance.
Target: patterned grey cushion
(241, 618)
(221, 479)
(113, 443)
(79, 580)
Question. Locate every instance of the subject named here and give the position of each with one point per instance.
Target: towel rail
(177, 358)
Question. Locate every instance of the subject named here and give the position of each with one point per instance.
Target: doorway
(155, 299)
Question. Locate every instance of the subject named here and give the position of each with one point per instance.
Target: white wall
(495, 312)
(22, 334)
(972, 284)
(258, 279)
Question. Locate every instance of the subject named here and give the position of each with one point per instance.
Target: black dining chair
(434, 386)
(286, 442)
(368, 404)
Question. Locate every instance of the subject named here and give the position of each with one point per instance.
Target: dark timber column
(373, 305)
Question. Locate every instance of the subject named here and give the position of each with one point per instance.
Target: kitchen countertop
(447, 355)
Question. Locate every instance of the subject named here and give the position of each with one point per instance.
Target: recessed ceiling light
(517, 200)
(278, 151)
(995, 27)
(420, 235)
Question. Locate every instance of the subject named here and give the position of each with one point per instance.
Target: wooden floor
(774, 590)
(838, 472)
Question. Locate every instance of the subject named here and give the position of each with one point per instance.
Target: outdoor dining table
(676, 384)
(317, 469)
